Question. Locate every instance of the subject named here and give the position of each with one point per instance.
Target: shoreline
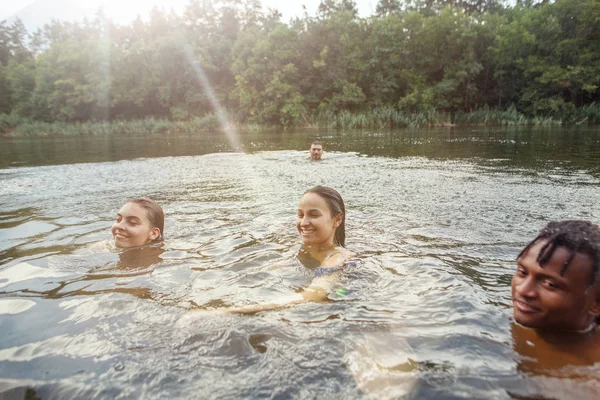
(11, 126)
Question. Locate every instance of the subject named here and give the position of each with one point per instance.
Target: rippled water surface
(435, 217)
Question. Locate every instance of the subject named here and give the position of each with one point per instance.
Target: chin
(524, 323)
(523, 320)
(529, 323)
(120, 245)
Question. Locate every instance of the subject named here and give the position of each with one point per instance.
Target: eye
(549, 284)
(133, 221)
(521, 271)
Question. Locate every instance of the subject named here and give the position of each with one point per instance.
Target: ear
(595, 307)
(338, 220)
(154, 234)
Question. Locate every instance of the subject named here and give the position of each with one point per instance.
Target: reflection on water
(538, 147)
(435, 219)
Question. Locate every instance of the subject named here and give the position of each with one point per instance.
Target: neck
(562, 333)
(318, 251)
(590, 328)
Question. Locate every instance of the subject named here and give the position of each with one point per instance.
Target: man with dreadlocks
(556, 299)
(556, 285)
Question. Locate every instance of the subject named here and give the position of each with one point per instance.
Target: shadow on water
(108, 273)
(27, 232)
(11, 219)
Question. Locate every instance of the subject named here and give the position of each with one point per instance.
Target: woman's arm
(319, 288)
(316, 292)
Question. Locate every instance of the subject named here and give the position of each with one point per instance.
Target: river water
(436, 218)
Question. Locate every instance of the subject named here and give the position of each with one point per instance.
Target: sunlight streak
(222, 116)
(104, 99)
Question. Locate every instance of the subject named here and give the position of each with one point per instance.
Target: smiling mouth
(119, 236)
(306, 232)
(524, 307)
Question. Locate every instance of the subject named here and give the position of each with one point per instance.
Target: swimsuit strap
(321, 271)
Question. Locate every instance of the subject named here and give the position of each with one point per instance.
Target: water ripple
(425, 313)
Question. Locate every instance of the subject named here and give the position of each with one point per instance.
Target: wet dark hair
(155, 213)
(315, 143)
(336, 207)
(576, 235)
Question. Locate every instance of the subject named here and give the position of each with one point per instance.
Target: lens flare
(222, 116)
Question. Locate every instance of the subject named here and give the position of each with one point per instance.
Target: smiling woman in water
(320, 221)
(139, 222)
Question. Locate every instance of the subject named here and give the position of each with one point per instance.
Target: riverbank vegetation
(231, 64)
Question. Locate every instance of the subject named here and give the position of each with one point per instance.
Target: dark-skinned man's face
(545, 299)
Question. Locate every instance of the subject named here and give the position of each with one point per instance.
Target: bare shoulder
(337, 258)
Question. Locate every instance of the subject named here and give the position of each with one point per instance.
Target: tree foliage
(536, 57)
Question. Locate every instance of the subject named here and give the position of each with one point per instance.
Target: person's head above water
(316, 150)
(139, 222)
(321, 217)
(556, 285)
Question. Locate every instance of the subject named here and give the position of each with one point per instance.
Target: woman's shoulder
(335, 261)
(337, 255)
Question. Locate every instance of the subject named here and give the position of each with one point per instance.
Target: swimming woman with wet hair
(321, 223)
(139, 222)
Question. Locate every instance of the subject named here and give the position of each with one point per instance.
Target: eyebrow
(131, 217)
(545, 275)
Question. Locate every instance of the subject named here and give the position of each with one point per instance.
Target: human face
(132, 227)
(316, 151)
(543, 299)
(314, 221)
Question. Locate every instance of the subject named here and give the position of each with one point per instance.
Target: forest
(231, 63)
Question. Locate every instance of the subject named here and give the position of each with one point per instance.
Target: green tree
(16, 64)
(329, 7)
(267, 77)
(387, 7)
(412, 55)
(430, 7)
(547, 58)
(442, 66)
(20, 82)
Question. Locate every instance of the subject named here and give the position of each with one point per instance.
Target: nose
(526, 287)
(118, 225)
(304, 221)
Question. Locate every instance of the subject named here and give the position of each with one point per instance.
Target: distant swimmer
(556, 298)
(321, 223)
(139, 222)
(316, 150)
